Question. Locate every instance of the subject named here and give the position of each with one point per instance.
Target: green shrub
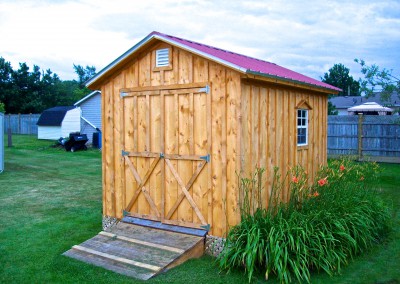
(321, 227)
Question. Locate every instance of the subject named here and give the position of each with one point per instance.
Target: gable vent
(162, 57)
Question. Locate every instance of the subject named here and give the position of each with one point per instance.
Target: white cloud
(308, 37)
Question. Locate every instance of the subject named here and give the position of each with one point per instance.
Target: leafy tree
(22, 87)
(32, 91)
(84, 74)
(6, 84)
(332, 109)
(2, 107)
(339, 76)
(378, 80)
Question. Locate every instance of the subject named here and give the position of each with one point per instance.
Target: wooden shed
(58, 122)
(90, 114)
(1, 142)
(181, 119)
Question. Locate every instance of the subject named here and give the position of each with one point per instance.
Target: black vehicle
(76, 141)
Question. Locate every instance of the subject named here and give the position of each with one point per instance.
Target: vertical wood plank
(104, 100)
(185, 67)
(210, 203)
(185, 168)
(128, 131)
(121, 129)
(147, 162)
(272, 153)
(263, 140)
(142, 163)
(217, 76)
(156, 77)
(191, 143)
(108, 147)
(315, 131)
(233, 91)
(255, 130)
(284, 140)
(155, 126)
(246, 129)
(324, 142)
(135, 115)
(200, 69)
(117, 83)
(145, 70)
(279, 131)
(132, 75)
(292, 149)
(170, 134)
(201, 139)
(175, 163)
(223, 104)
(200, 149)
(162, 149)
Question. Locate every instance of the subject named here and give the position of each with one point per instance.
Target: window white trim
(162, 57)
(302, 127)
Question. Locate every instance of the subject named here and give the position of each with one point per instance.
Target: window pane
(301, 136)
(302, 126)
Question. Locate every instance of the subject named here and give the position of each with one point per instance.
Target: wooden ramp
(140, 251)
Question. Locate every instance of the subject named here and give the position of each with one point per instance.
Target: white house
(59, 122)
(90, 114)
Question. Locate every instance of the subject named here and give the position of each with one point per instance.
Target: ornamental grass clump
(323, 225)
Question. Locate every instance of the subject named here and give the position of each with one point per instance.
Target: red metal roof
(251, 65)
(242, 63)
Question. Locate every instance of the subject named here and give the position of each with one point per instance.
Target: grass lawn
(51, 199)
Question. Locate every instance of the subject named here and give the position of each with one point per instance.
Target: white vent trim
(162, 57)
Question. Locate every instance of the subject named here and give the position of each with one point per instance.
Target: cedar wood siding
(252, 124)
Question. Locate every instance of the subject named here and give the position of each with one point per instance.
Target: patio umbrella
(370, 108)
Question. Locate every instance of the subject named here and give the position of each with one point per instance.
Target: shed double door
(166, 144)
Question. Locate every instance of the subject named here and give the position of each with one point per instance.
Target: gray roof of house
(350, 101)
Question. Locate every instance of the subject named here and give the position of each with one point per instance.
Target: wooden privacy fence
(365, 136)
(21, 123)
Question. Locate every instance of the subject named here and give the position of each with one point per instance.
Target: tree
(332, 109)
(6, 84)
(378, 80)
(2, 107)
(84, 74)
(32, 91)
(338, 76)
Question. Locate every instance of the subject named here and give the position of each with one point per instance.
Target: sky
(306, 36)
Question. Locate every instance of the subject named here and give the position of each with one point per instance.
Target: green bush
(322, 226)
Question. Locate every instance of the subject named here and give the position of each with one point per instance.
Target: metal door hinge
(206, 158)
(206, 89)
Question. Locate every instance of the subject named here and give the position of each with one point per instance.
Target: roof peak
(210, 46)
(236, 61)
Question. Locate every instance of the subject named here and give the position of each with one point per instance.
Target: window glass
(302, 127)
